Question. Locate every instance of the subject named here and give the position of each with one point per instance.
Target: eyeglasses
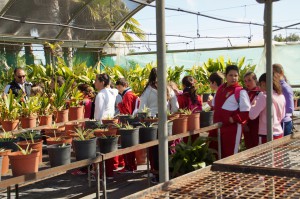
(21, 76)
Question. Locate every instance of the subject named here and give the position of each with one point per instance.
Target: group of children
(242, 111)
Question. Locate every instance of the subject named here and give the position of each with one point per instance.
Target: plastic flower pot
(62, 116)
(62, 140)
(206, 118)
(106, 132)
(10, 125)
(9, 144)
(180, 125)
(193, 122)
(53, 131)
(129, 137)
(108, 144)
(70, 127)
(85, 149)
(45, 120)
(91, 124)
(76, 113)
(151, 120)
(37, 145)
(173, 116)
(24, 164)
(5, 161)
(147, 134)
(124, 118)
(110, 121)
(59, 155)
(141, 157)
(28, 122)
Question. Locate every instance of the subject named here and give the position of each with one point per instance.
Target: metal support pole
(98, 181)
(104, 178)
(162, 94)
(8, 192)
(269, 68)
(219, 144)
(148, 168)
(17, 191)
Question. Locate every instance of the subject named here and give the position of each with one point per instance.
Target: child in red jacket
(127, 106)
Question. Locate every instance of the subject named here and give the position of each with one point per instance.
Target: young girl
(250, 129)
(287, 91)
(88, 93)
(189, 98)
(259, 109)
(231, 106)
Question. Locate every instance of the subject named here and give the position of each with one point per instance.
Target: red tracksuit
(127, 107)
(225, 106)
(251, 133)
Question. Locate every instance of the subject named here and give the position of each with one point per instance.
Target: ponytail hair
(189, 83)
(152, 79)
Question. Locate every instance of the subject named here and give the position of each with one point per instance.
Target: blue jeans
(287, 127)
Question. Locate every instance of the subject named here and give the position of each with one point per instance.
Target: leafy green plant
(84, 134)
(26, 151)
(10, 107)
(45, 106)
(127, 126)
(191, 156)
(76, 97)
(61, 94)
(174, 74)
(7, 136)
(31, 106)
(29, 135)
(145, 109)
(147, 124)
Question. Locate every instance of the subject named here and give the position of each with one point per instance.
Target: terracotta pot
(110, 121)
(295, 103)
(106, 132)
(76, 113)
(113, 129)
(28, 122)
(180, 125)
(52, 132)
(24, 164)
(151, 120)
(173, 116)
(193, 122)
(45, 120)
(62, 116)
(5, 161)
(10, 125)
(141, 157)
(64, 139)
(37, 145)
(70, 127)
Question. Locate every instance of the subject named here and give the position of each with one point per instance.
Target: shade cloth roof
(37, 21)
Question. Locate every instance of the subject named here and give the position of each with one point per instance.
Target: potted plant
(30, 134)
(191, 156)
(151, 119)
(58, 139)
(109, 120)
(108, 143)
(129, 135)
(24, 161)
(124, 118)
(10, 112)
(193, 122)
(8, 140)
(71, 126)
(54, 130)
(29, 111)
(180, 125)
(147, 132)
(106, 130)
(76, 109)
(58, 100)
(5, 160)
(32, 143)
(59, 154)
(144, 113)
(206, 116)
(45, 111)
(84, 144)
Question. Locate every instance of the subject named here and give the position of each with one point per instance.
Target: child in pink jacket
(259, 109)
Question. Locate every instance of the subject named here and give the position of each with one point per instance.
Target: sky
(285, 12)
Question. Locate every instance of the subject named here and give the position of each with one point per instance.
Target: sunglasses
(21, 76)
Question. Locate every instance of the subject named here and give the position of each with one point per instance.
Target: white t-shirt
(105, 104)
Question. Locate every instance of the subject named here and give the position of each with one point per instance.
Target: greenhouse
(149, 99)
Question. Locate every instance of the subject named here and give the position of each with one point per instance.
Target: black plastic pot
(108, 144)
(206, 118)
(129, 137)
(205, 97)
(85, 149)
(59, 155)
(147, 134)
(9, 145)
(92, 124)
(170, 128)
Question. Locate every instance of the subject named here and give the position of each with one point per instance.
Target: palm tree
(132, 25)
